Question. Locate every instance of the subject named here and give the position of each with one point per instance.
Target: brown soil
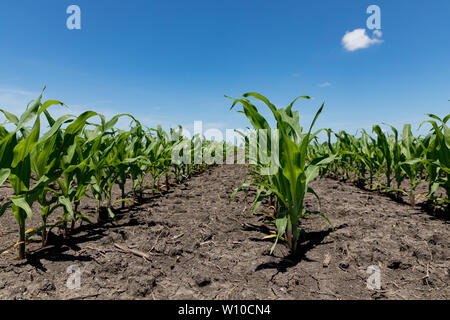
(201, 245)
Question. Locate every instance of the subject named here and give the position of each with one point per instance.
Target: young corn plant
(123, 159)
(73, 180)
(397, 159)
(438, 159)
(179, 169)
(101, 142)
(15, 163)
(413, 150)
(290, 174)
(46, 160)
(386, 165)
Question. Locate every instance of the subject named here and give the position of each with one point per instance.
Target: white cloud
(358, 39)
(325, 84)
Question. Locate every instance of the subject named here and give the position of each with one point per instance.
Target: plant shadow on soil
(425, 206)
(312, 239)
(57, 245)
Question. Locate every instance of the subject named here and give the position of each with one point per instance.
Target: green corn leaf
(4, 174)
(5, 206)
(10, 117)
(67, 205)
(23, 204)
(281, 224)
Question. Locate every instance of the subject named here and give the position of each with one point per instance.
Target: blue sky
(172, 62)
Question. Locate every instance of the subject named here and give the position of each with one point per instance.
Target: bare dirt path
(194, 243)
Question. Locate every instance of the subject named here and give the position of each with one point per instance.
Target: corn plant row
(81, 156)
(387, 160)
